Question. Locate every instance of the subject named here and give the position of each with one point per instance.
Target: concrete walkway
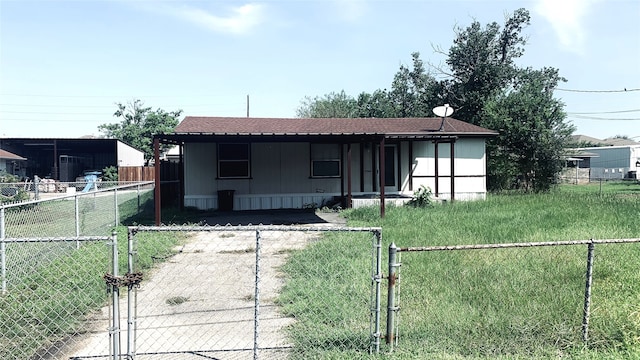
(199, 303)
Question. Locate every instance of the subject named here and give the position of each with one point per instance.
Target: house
(64, 159)
(12, 164)
(273, 163)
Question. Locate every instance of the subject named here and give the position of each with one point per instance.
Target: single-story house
(272, 163)
(64, 159)
(12, 164)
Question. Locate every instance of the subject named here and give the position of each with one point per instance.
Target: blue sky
(64, 64)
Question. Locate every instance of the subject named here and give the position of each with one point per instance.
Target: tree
(482, 64)
(485, 87)
(532, 132)
(332, 105)
(139, 124)
(413, 91)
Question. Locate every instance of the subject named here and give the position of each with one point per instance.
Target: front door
(390, 168)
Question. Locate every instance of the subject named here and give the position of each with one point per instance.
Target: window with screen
(233, 161)
(325, 160)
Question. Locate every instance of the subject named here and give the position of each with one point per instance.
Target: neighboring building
(273, 163)
(12, 164)
(65, 159)
(613, 162)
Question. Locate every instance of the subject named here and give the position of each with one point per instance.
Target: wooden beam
(453, 178)
(349, 193)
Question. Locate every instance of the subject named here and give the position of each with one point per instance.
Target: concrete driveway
(200, 302)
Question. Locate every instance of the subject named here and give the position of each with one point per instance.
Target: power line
(600, 118)
(599, 91)
(603, 112)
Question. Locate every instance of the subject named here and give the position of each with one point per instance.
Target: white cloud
(350, 10)
(566, 17)
(240, 20)
(233, 20)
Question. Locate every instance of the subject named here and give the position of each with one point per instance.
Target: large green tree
(533, 133)
(138, 125)
(486, 87)
(332, 105)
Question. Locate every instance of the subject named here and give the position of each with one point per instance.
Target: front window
(233, 161)
(325, 160)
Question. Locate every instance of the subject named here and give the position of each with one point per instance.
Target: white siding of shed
(129, 156)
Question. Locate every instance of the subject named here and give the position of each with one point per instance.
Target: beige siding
(280, 173)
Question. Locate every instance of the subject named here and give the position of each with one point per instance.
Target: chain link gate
(233, 292)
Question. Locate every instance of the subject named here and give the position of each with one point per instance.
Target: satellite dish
(443, 111)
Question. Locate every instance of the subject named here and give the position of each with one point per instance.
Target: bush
(421, 197)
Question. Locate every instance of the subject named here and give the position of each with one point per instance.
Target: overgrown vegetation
(58, 287)
(506, 303)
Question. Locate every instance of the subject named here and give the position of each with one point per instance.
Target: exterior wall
(280, 174)
(128, 156)
(614, 162)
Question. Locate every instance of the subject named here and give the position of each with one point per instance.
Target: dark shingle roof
(193, 125)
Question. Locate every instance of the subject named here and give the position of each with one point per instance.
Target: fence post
(3, 252)
(391, 295)
(587, 293)
(138, 196)
(131, 320)
(77, 216)
(114, 332)
(256, 306)
(36, 182)
(376, 280)
(115, 205)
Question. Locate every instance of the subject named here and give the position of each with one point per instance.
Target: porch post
(435, 155)
(381, 167)
(349, 195)
(181, 175)
(156, 190)
(399, 164)
(410, 163)
(342, 173)
(361, 166)
(453, 177)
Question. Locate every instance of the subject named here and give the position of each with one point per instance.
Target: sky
(64, 65)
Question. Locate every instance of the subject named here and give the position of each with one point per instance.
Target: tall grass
(506, 303)
(46, 305)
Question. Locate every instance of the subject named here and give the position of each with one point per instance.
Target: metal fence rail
(53, 257)
(219, 295)
(52, 294)
(395, 262)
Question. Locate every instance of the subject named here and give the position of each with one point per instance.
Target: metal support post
(377, 279)
(138, 196)
(587, 293)
(131, 293)
(256, 306)
(77, 217)
(114, 331)
(3, 254)
(391, 295)
(115, 206)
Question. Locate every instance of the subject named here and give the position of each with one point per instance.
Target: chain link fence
(251, 292)
(53, 256)
(541, 299)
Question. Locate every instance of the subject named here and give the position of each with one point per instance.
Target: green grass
(54, 287)
(508, 303)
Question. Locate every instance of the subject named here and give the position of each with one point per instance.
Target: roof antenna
(247, 105)
(443, 111)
